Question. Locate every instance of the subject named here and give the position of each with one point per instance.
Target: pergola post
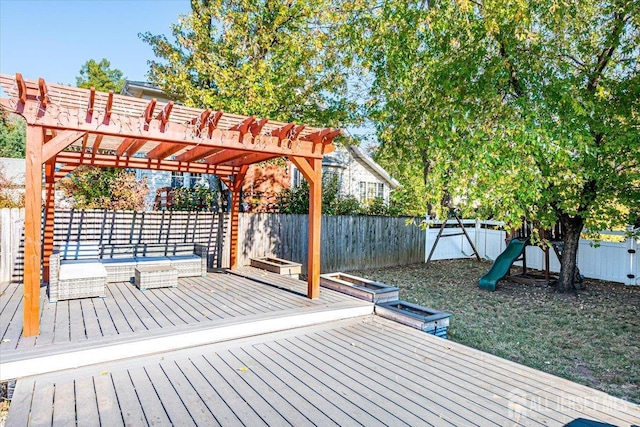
(236, 190)
(32, 223)
(49, 217)
(315, 225)
(311, 169)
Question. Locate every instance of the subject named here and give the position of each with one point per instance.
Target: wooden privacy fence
(348, 242)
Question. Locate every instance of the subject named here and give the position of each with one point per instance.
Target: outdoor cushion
(184, 258)
(81, 270)
(153, 260)
(119, 261)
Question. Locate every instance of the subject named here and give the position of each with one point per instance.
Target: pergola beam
(59, 142)
(105, 160)
(250, 159)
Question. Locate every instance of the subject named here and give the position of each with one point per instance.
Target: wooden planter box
(277, 265)
(358, 287)
(426, 319)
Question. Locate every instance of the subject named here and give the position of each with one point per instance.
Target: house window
(196, 179)
(330, 176)
(177, 179)
(297, 178)
(371, 190)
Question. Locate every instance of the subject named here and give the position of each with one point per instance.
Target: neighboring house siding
(155, 180)
(357, 174)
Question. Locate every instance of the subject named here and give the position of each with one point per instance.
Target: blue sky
(53, 39)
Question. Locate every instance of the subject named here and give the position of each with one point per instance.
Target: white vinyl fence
(614, 262)
(11, 228)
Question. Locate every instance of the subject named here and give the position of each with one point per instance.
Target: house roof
(139, 89)
(337, 159)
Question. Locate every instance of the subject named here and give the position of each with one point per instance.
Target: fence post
(633, 269)
(477, 239)
(5, 245)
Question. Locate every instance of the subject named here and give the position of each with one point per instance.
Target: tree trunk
(571, 227)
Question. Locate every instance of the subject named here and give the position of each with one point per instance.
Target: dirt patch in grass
(591, 336)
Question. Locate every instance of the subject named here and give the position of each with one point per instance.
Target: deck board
(239, 406)
(120, 292)
(77, 330)
(334, 391)
(42, 404)
(107, 402)
(91, 324)
(103, 318)
(220, 410)
(126, 310)
(150, 403)
(198, 410)
(87, 408)
(21, 404)
(64, 404)
(130, 408)
(173, 405)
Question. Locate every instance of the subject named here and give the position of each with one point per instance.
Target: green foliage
(12, 136)
(279, 60)
(101, 76)
(89, 187)
(296, 200)
(513, 109)
(195, 199)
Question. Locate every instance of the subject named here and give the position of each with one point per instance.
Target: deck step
(47, 359)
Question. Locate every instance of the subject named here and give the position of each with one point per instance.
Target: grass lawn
(591, 337)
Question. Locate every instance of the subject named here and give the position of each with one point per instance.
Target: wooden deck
(130, 322)
(250, 349)
(365, 371)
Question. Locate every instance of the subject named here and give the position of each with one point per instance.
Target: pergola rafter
(68, 127)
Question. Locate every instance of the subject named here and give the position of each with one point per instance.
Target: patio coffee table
(156, 276)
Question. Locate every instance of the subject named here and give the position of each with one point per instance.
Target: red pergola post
(236, 190)
(49, 217)
(32, 239)
(315, 222)
(311, 169)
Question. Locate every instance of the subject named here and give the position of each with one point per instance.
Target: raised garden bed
(358, 287)
(277, 265)
(426, 319)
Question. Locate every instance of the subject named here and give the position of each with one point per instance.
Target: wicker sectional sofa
(81, 269)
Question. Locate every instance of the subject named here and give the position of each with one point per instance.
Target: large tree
(101, 76)
(514, 108)
(280, 60)
(12, 135)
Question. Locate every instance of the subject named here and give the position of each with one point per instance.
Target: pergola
(68, 127)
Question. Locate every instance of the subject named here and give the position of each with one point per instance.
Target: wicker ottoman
(156, 276)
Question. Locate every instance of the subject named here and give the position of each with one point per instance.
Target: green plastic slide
(501, 265)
